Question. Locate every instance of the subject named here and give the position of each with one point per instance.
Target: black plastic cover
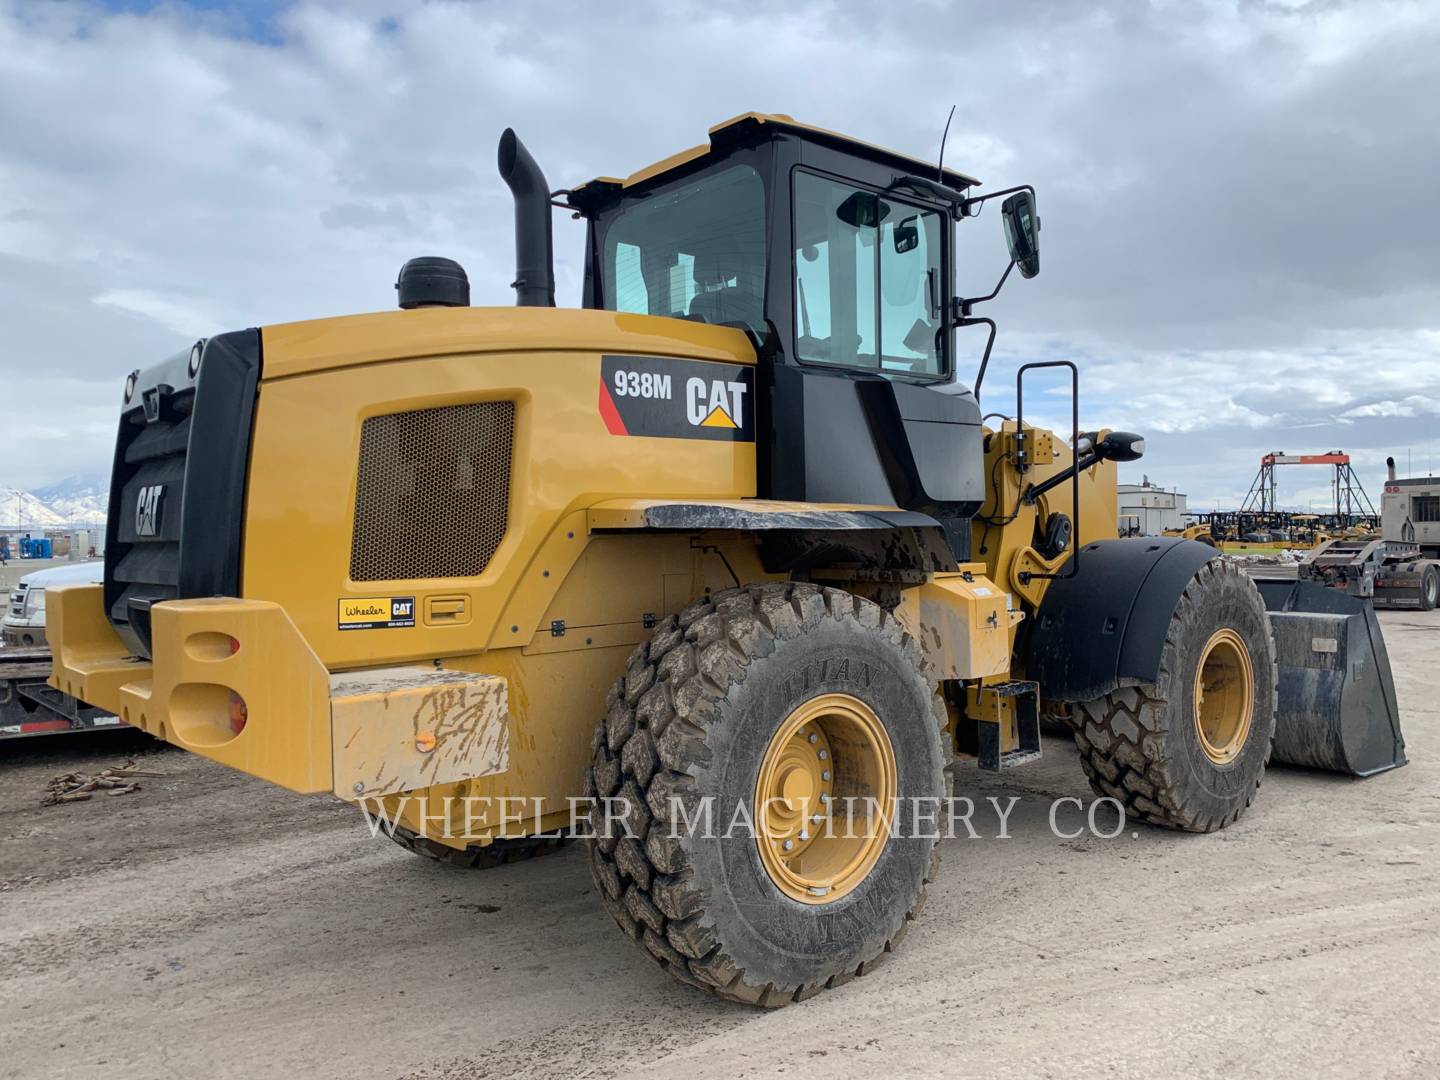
(845, 437)
(177, 487)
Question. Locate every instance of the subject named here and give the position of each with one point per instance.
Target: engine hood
(301, 348)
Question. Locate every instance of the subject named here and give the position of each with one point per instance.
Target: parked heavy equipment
(1397, 567)
(30, 706)
(741, 507)
(1197, 532)
(1388, 573)
(1410, 510)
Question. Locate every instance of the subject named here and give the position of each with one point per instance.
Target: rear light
(239, 712)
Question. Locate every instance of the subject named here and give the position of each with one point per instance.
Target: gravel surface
(211, 925)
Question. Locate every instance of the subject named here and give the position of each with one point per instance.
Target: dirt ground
(210, 925)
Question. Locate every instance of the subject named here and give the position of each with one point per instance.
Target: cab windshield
(694, 251)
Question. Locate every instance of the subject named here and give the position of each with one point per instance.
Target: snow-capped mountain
(76, 500)
(20, 509)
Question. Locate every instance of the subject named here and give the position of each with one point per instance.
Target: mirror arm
(961, 317)
(961, 314)
(954, 196)
(980, 320)
(970, 207)
(963, 306)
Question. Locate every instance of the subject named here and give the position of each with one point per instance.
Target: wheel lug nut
(823, 755)
(788, 844)
(816, 819)
(804, 835)
(825, 775)
(814, 737)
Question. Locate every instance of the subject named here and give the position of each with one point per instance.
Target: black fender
(1105, 627)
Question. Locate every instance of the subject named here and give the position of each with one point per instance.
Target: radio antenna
(940, 168)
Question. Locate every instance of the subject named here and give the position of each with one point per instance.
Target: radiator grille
(433, 493)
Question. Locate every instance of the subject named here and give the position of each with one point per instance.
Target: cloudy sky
(1241, 244)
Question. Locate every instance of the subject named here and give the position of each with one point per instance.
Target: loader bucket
(1337, 707)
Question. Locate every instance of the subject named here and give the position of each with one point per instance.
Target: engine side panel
(300, 513)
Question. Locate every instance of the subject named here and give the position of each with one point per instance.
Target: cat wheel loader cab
(722, 569)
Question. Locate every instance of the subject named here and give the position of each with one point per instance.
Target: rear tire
(695, 722)
(1161, 751)
(1430, 588)
(498, 852)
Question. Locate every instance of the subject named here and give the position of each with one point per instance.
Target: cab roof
(724, 134)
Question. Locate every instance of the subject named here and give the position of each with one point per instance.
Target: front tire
(1189, 750)
(718, 709)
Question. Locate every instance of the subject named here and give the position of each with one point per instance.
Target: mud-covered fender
(796, 536)
(1105, 627)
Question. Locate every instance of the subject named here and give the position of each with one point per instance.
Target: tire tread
(1121, 736)
(684, 671)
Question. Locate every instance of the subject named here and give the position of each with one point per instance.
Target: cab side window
(868, 280)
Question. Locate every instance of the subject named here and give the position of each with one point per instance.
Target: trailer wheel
(498, 852)
(1430, 588)
(1189, 750)
(768, 705)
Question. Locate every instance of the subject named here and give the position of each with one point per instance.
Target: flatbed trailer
(30, 706)
(1390, 573)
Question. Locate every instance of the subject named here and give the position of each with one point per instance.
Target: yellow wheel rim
(1224, 696)
(823, 798)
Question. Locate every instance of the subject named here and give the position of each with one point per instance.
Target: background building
(1147, 510)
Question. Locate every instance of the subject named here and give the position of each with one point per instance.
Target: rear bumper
(358, 735)
(21, 636)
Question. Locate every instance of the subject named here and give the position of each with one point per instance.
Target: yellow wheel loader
(723, 570)
(1200, 533)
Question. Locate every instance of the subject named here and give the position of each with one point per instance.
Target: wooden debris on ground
(77, 787)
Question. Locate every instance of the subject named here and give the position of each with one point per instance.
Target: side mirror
(863, 210)
(1022, 232)
(907, 235)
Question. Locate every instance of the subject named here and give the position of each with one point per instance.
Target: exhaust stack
(1390, 468)
(534, 282)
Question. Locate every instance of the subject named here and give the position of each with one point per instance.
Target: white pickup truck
(24, 623)
(28, 705)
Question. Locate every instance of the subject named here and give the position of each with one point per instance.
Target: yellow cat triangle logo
(718, 418)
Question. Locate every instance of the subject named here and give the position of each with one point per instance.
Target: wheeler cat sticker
(377, 613)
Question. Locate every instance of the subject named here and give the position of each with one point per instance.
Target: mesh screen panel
(434, 491)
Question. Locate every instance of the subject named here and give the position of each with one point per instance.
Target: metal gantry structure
(1351, 504)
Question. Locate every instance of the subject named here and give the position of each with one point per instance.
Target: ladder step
(1020, 699)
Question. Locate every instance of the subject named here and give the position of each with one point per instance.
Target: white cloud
(1413, 405)
(1232, 243)
(175, 314)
